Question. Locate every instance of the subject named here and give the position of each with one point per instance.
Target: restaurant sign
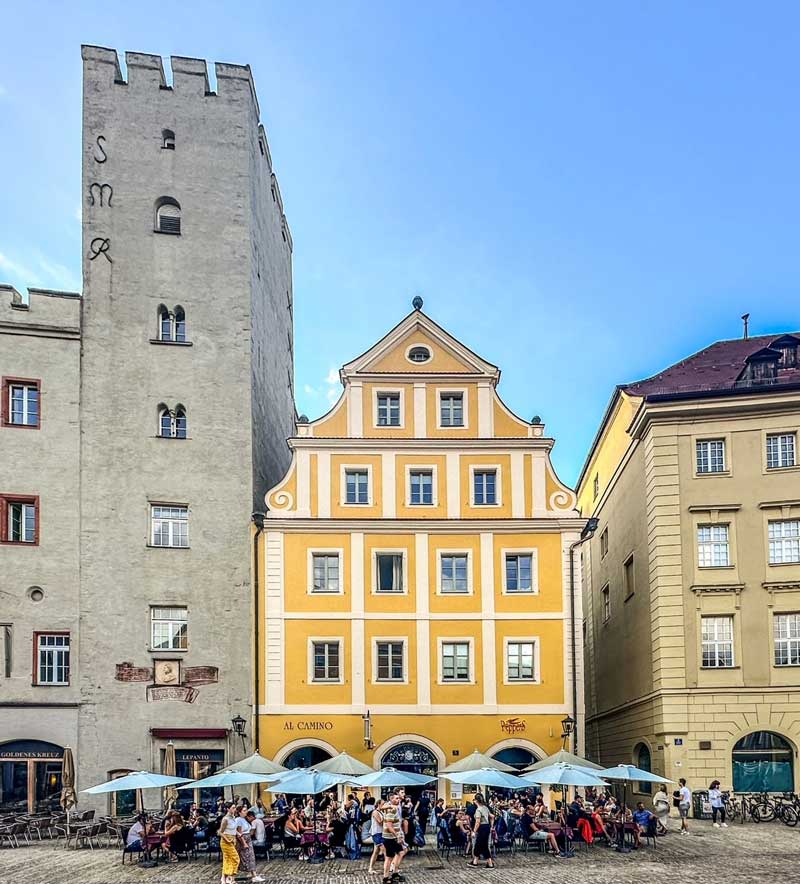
(513, 725)
(308, 725)
(30, 749)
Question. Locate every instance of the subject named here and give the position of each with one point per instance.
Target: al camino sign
(310, 725)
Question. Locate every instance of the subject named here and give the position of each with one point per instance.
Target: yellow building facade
(415, 591)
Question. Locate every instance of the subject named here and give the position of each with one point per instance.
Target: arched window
(180, 422)
(763, 762)
(164, 324)
(180, 325)
(305, 756)
(167, 139)
(172, 424)
(168, 215)
(644, 761)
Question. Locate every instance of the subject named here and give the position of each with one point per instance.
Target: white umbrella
(307, 781)
(487, 777)
(627, 773)
(477, 761)
(344, 764)
(564, 757)
(227, 778)
(562, 774)
(390, 776)
(140, 780)
(257, 764)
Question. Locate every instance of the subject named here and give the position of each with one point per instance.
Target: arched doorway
(517, 756)
(414, 758)
(763, 762)
(30, 776)
(306, 756)
(644, 761)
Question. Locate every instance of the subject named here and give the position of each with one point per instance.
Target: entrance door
(305, 756)
(196, 764)
(13, 787)
(30, 776)
(518, 757)
(415, 759)
(763, 762)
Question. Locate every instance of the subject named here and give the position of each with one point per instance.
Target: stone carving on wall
(168, 679)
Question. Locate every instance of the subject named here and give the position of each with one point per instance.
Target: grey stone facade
(229, 269)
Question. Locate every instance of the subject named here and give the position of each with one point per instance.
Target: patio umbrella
(226, 778)
(627, 773)
(68, 798)
(257, 764)
(487, 776)
(564, 757)
(170, 766)
(562, 774)
(139, 780)
(307, 781)
(344, 764)
(477, 761)
(390, 776)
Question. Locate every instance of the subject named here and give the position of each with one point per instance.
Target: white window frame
(388, 391)
(533, 552)
(604, 542)
(26, 387)
(171, 506)
(356, 468)
(431, 468)
(411, 347)
(26, 508)
(388, 551)
(55, 651)
(498, 484)
(792, 642)
(327, 639)
(518, 640)
(455, 640)
(324, 551)
(709, 546)
(605, 602)
(394, 639)
(440, 554)
(171, 622)
(779, 435)
(716, 642)
(707, 443)
(783, 542)
(464, 391)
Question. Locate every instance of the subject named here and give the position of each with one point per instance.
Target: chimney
(746, 321)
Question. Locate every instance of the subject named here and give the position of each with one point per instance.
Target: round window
(36, 593)
(419, 354)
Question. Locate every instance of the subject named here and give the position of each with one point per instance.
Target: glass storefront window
(48, 785)
(30, 776)
(196, 764)
(14, 786)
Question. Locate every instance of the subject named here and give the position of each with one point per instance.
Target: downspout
(258, 521)
(588, 530)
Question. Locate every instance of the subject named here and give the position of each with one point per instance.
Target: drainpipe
(258, 521)
(588, 530)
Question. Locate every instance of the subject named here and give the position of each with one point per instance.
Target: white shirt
(377, 822)
(243, 826)
(228, 826)
(259, 831)
(715, 796)
(135, 833)
(686, 795)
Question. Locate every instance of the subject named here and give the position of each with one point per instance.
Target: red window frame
(35, 671)
(5, 410)
(5, 500)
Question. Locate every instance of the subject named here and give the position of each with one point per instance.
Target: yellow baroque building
(415, 593)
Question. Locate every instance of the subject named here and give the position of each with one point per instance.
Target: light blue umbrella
(140, 780)
(564, 775)
(390, 776)
(630, 773)
(487, 776)
(228, 778)
(307, 781)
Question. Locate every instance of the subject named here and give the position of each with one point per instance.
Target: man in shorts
(684, 803)
(393, 845)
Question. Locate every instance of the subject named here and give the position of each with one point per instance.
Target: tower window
(172, 325)
(172, 424)
(168, 215)
(167, 139)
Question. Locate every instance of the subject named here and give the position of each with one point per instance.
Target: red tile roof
(714, 370)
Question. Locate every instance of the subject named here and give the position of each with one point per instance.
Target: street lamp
(238, 724)
(367, 719)
(567, 726)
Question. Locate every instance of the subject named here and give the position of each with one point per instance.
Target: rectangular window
(713, 549)
(451, 409)
(326, 661)
(717, 638)
(454, 572)
(455, 661)
(595, 487)
(421, 487)
(629, 578)
(485, 487)
(784, 541)
(20, 403)
(388, 409)
(710, 455)
(52, 658)
(604, 544)
(170, 526)
(389, 572)
(20, 521)
(326, 572)
(168, 628)
(519, 572)
(781, 449)
(390, 661)
(519, 661)
(606, 598)
(787, 639)
(356, 486)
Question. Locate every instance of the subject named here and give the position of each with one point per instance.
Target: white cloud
(60, 275)
(309, 390)
(24, 276)
(333, 377)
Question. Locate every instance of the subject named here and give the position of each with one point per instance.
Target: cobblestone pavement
(742, 854)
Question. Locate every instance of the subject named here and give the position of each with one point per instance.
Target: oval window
(419, 354)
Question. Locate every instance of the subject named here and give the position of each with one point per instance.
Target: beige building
(692, 580)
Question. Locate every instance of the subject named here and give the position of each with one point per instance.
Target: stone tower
(186, 404)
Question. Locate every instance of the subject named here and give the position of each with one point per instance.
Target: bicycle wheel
(789, 815)
(731, 810)
(764, 812)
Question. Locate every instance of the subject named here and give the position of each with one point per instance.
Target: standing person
(393, 845)
(684, 803)
(661, 808)
(482, 830)
(244, 844)
(438, 810)
(717, 805)
(376, 830)
(423, 811)
(228, 829)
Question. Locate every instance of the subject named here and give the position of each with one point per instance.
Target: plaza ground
(742, 854)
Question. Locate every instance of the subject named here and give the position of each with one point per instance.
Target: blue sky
(581, 192)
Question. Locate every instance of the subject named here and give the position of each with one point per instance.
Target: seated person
(540, 810)
(645, 820)
(137, 832)
(173, 825)
(337, 827)
(531, 832)
(293, 830)
(463, 830)
(258, 831)
(199, 824)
